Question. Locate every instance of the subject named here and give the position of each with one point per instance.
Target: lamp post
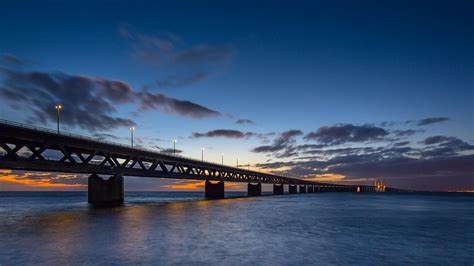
(237, 162)
(202, 154)
(174, 146)
(222, 160)
(58, 108)
(132, 129)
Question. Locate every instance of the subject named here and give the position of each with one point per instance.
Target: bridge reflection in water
(24, 147)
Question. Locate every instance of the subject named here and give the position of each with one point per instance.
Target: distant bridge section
(28, 148)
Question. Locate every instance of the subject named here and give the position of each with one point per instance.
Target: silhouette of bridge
(29, 148)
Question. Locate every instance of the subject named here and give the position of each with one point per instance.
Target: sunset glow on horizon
(317, 90)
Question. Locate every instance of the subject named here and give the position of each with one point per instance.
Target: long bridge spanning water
(24, 147)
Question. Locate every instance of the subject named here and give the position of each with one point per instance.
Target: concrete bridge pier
(254, 190)
(107, 193)
(214, 191)
(292, 189)
(310, 189)
(302, 189)
(277, 189)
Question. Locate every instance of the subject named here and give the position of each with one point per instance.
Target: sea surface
(175, 228)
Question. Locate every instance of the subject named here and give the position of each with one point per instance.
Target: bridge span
(29, 148)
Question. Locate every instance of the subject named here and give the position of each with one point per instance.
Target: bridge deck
(38, 149)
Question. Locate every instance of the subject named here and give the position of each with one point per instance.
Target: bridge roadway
(24, 147)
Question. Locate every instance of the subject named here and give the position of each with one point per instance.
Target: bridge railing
(101, 140)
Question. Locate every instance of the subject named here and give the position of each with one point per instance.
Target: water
(169, 228)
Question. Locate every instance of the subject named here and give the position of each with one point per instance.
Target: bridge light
(202, 154)
(132, 129)
(58, 108)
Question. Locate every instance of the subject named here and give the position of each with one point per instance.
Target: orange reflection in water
(194, 185)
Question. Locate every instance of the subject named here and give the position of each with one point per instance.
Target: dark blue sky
(285, 65)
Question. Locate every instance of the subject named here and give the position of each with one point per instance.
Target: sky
(334, 91)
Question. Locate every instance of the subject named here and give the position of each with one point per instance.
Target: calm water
(180, 228)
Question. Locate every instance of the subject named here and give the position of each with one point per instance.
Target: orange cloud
(30, 179)
(334, 178)
(326, 178)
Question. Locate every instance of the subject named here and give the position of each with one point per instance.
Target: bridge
(29, 148)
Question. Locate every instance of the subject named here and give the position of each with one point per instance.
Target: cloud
(437, 139)
(43, 179)
(150, 101)
(443, 158)
(433, 120)
(402, 143)
(11, 60)
(188, 63)
(283, 141)
(88, 102)
(204, 54)
(178, 81)
(428, 121)
(405, 133)
(439, 146)
(405, 171)
(225, 133)
(309, 146)
(343, 133)
(105, 136)
(408, 167)
(245, 122)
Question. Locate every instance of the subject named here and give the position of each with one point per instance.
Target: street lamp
(237, 162)
(132, 129)
(58, 108)
(174, 146)
(222, 159)
(202, 154)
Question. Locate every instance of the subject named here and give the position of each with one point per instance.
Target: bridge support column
(214, 191)
(254, 190)
(277, 189)
(292, 189)
(303, 189)
(310, 189)
(105, 193)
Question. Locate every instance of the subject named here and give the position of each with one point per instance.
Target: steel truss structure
(33, 149)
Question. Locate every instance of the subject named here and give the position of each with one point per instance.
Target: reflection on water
(178, 228)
